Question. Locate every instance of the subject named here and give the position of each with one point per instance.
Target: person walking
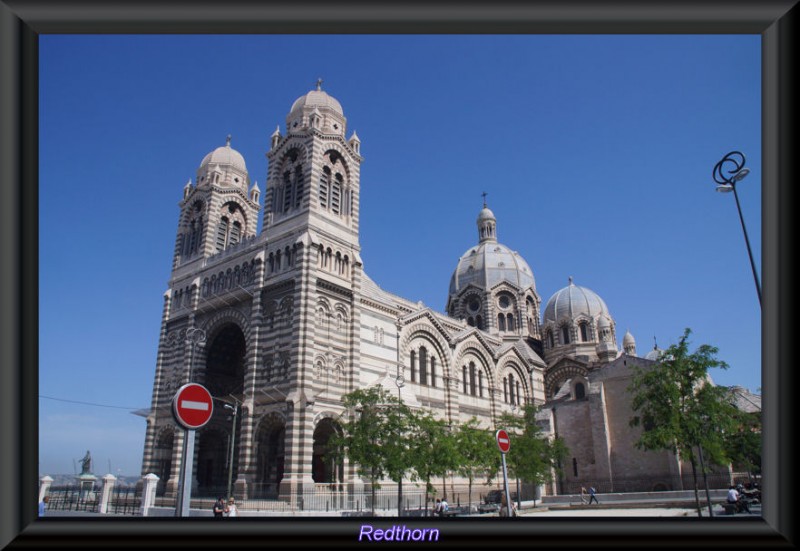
(43, 505)
(443, 508)
(231, 510)
(219, 507)
(592, 495)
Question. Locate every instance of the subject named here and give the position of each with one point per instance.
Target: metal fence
(72, 498)
(125, 500)
(647, 484)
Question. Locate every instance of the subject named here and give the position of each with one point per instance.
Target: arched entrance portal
(270, 456)
(325, 469)
(224, 378)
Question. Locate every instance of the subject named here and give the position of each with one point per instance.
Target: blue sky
(596, 153)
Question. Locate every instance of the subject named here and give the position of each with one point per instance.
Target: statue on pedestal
(86, 463)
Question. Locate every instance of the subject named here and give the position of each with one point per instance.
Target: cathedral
(280, 324)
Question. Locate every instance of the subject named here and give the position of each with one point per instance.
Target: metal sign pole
(509, 508)
(185, 479)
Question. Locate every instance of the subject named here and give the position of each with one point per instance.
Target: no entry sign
(192, 406)
(503, 441)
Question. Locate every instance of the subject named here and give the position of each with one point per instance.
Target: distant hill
(69, 479)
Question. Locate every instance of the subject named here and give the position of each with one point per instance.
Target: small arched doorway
(324, 468)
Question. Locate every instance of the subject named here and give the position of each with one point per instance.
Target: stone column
(148, 493)
(44, 487)
(105, 493)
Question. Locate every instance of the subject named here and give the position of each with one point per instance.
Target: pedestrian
(437, 509)
(231, 510)
(592, 495)
(43, 505)
(583, 495)
(443, 508)
(219, 507)
(505, 510)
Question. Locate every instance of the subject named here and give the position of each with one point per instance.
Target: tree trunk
(469, 496)
(696, 493)
(705, 482)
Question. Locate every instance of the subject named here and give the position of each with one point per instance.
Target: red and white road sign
(503, 441)
(192, 406)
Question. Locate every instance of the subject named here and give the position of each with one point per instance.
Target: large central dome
(490, 262)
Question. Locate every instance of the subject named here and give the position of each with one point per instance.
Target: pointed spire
(277, 131)
(255, 186)
(188, 184)
(655, 344)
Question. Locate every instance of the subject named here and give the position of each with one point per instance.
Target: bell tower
(313, 176)
(219, 209)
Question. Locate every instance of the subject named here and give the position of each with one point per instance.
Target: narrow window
(433, 371)
(480, 383)
(565, 334)
(464, 378)
(479, 322)
(413, 366)
(511, 389)
(550, 340)
(236, 232)
(423, 365)
(505, 389)
(501, 322)
(287, 191)
(324, 182)
(510, 321)
(575, 466)
(472, 378)
(336, 194)
(470, 321)
(580, 391)
(222, 233)
(298, 188)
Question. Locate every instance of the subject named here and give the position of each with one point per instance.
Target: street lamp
(400, 382)
(235, 410)
(735, 160)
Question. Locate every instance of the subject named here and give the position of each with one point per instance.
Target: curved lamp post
(400, 382)
(732, 164)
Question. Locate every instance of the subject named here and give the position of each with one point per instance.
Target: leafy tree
(432, 449)
(680, 410)
(477, 453)
(374, 436)
(533, 457)
(743, 442)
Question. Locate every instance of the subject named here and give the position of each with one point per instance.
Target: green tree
(477, 453)
(432, 450)
(680, 410)
(374, 436)
(533, 457)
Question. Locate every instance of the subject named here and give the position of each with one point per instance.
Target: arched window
(464, 378)
(236, 233)
(550, 340)
(565, 334)
(413, 366)
(433, 371)
(423, 365)
(480, 383)
(470, 321)
(584, 327)
(511, 389)
(510, 322)
(580, 391)
(501, 322)
(505, 389)
(479, 322)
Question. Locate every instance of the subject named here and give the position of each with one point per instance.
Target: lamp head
(741, 174)
(724, 188)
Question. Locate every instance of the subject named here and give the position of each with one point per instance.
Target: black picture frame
(21, 21)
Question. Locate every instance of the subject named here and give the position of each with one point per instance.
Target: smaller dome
(573, 301)
(654, 355)
(486, 214)
(314, 99)
(225, 156)
(628, 339)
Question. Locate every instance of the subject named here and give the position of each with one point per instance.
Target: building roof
(573, 301)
